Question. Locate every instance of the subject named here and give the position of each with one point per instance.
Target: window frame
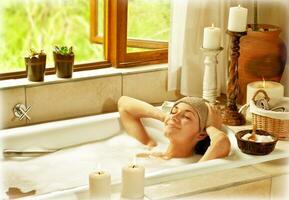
(131, 42)
(118, 54)
(48, 71)
(114, 42)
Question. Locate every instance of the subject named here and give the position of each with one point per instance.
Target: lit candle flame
(213, 25)
(239, 6)
(264, 82)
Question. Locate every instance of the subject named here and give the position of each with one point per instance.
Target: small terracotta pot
(262, 55)
(63, 65)
(35, 68)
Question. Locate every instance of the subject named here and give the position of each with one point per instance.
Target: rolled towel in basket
(279, 109)
(264, 104)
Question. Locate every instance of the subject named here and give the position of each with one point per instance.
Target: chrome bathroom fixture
(26, 153)
(20, 111)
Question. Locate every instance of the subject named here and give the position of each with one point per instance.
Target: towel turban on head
(199, 105)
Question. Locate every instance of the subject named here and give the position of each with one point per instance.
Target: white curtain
(176, 44)
(189, 17)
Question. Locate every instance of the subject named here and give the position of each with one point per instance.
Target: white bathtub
(87, 141)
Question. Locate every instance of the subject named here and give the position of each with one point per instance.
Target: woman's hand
(214, 116)
(153, 154)
(166, 118)
(151, 144)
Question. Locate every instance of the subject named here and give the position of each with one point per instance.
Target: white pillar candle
(133, 181)
(237, 19)
(273, 89)
(99, 185)
(212, 37)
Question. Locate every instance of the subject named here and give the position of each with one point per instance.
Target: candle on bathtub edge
(273, 89)
(133, 181)
(237, 19)
(212, 37)
(99, 185)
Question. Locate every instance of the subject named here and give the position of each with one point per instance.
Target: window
(148, 25)
(120, 53)
(118, 33)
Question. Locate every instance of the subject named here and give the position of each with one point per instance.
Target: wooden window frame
(95, 37)
(48, 71)
(115, 42)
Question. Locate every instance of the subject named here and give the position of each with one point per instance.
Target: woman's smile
(172, 124)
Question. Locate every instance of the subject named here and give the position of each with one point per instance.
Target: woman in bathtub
(192, 126)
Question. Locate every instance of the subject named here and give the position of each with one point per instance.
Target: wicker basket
(276, 123)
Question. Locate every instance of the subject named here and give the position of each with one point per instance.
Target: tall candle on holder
(212, 37)
(99, 185)
(237, 19)
(133, 181)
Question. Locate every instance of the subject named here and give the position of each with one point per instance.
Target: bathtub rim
(59, 123)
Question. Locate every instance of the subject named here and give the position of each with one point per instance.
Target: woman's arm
(220, 145)
(131, 110)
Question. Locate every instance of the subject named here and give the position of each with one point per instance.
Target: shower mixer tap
(20, 111)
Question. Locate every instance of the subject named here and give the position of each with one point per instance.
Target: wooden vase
(262, 56)
(63, 65)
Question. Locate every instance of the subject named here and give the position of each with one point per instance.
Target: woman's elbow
(122, 102)
(224, 145)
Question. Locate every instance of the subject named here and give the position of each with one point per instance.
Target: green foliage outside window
(42, 24)
(148, 19)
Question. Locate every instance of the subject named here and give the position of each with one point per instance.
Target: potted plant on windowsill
(63, 61)
(35, 65)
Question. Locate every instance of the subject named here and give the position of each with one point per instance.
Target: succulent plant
(35, 54)
(63, 50)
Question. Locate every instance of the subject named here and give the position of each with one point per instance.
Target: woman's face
(182, 125)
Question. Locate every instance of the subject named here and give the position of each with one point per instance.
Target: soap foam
(69, 168)
(259, 138)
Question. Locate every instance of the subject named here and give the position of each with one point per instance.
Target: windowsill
(82, 75)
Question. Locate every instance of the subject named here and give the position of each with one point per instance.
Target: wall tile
(150, 87)
(8, 99)
(58, 100)
(73, 99)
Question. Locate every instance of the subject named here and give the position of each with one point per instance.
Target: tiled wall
(73, 99)
(9, 98)
(82, 97)
(149, 86)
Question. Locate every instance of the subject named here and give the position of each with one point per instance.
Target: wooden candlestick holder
(230, 113)
(210, 74)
